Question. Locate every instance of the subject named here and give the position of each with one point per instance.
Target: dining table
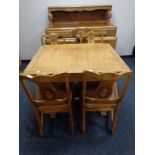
(75, 59)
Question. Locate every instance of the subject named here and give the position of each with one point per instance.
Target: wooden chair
(90, 36)
(52, 39)
(81, 35)
(103, 95)
(50, 96)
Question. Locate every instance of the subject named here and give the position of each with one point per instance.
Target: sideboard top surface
(80, 8)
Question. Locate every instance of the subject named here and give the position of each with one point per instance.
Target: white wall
(34, 20)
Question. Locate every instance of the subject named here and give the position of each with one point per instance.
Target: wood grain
(87, 18)
(76, 58)
(49, 97)
(107, 98)
(80, 8)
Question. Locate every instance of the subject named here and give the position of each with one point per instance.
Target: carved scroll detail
(50, 16)
(109, 16)
(90, 36)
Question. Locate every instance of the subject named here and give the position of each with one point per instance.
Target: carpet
(96, 140)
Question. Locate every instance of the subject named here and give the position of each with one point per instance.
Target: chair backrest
(52, 38)
(89, 36)
(108, 79)
(81, 35)
(44, 80)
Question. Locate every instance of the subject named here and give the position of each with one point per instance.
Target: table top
(76, 58)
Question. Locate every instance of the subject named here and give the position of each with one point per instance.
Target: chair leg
(71, 121)
(112, 114)
(115, 116)
(42, 124)
(42, 118)
(83, 119)
(39, 118)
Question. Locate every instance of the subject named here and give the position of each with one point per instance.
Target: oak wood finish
(75, 19)
(90, 36)
(50, 96)
(105, 96)
(76, 58)
(80, 8)
(52, 39)
(87, 13)
(81, 35)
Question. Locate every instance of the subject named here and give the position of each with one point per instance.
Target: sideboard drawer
(106, 32)
(67, 33)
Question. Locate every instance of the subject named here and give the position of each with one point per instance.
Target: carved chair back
(49, 101)
(109, 99)
(89, 36)
(81, 35)
(106, 82)
(46, 84)
(52, 38)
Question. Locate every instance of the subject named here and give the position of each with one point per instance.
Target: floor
(96, 141)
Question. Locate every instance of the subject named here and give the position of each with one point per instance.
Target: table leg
(112, 114)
